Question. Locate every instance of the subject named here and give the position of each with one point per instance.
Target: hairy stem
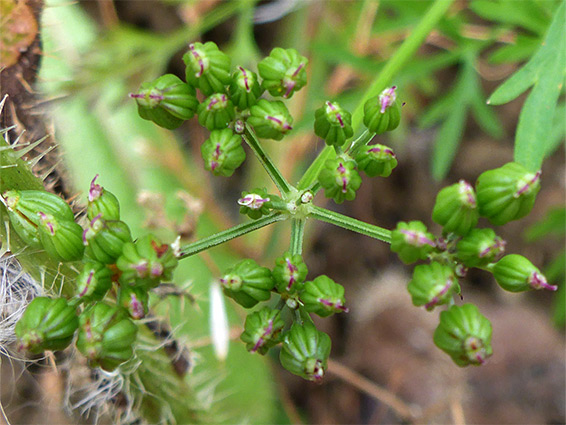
(350, 223)
(229, 234)
(280, 181)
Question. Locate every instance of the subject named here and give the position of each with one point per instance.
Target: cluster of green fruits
(502, 195)
(233, 99)
(305, 349)
(112, 287)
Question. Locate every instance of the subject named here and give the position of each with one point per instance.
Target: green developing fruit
(102, 202)
(283, 72)
(515, 273)
(47, 324)
(167, 101)
(340, 179)
(262, 330)
(270, 120)
(411, 241)
(333, 124)
(23, 206)
(104, 239)
(376, 160)
(244, 89)
(248, 283)
(289, 273)
(432, 285)
(207, 68)
(465, 335)
(135, 299)
(479, 248)
(106, 336)
(61, 239)
(507, 193)
(323, 296)
(222, 152)
(382, 113)
(305, 352)
(216, 112)
(455, 208)
(93, 282)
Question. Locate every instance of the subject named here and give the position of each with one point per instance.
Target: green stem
(362, 140)
(350, 223)
(397, 61)
(297, 235)
(229, 234)
(280, 181)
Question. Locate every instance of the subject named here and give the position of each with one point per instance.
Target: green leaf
(521, 50)
(545, 72)
(554, 223)
(526, 14)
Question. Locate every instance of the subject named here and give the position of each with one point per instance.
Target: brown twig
(402, 409)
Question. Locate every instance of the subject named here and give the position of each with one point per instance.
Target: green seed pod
(93, 282)
(340, 179)
(47, 324)
(104, 239)
(147, 262)
(23, 206)
(283, 72)
(456, 209)
(515, 273)
(106, 336)
(244, 89)
(412, 241)
(305, 351)
(432, 285)
(270, 120)
(382, 113)
(135, 299)
(61, 239)
(507, 193)
(222, 152)
(333, 124)
(376, 160)
(289, 273)
(216, 112)
(248, 283)
(323, 296)
(208, 69)
(258, 203)
(103, 202)
(262, 330)
(479, 248)
(465, 335)
(167, 101)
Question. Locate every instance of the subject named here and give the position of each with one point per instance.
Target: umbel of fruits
(248, 283)
(167, 101)
(262, 330)
(305, 351)
(106, 336)
(47, 324)
(507, 193)
(464, 334)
